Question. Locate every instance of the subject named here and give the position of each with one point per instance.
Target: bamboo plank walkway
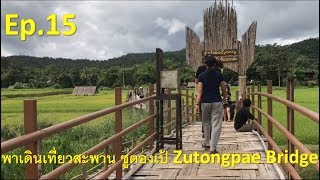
(230, 142)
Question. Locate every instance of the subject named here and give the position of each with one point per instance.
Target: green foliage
(57, 86)
(273, 62)
(129, 70)
(64, 80)
(308, 48)
(12, 131)
(20, 85)
(277, 62)
(67, 142)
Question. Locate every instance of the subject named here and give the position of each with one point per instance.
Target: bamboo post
(159, 122)
(252, 99)
(187, 105)
(151, 112)
(182, 104)
(192, 109)
(118, 127)
(248, 97)
(169, 114)
(30, 126)
(260, 107)
(270, 127)
(248, 92)
(133, 143)
(84, 171)
(237, 102)
(237, 97)
(243, 96)
(126, 170)
(290, 115)
(242, 86)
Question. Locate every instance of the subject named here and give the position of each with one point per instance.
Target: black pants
(247, 128)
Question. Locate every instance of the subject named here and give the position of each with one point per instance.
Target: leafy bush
(44, 124)
(20, 85)
(11, 131)
(57, 86)
(312, 84)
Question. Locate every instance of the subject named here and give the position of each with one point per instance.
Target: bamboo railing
(32, 138)
(288, 131)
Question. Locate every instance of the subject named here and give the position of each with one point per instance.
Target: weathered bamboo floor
(230, 142)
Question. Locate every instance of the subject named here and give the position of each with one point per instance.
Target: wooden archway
(220, 39)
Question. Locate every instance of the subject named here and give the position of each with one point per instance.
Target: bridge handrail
(288, 134)
(43, 133)
(118, 164)
(306, 112)
(288, 166)
(46, 132)
(67, 166)
(288, 131)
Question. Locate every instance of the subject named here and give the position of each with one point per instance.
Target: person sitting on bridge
(232, 109)
(211, 103)
(242, 116)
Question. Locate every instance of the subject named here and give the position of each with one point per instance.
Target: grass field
(29, 91)
(60, 108)
(55, 109)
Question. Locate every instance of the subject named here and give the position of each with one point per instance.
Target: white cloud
(107, 29)
(199, 26)
(172, 25)
(282, 41)
(4, 52)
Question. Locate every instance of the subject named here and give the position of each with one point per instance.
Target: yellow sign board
(228, 55)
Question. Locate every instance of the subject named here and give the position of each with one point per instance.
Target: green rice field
(54, 109)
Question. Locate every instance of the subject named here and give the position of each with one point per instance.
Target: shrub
(312, 84)
(20, 85)
(11, 131)
(57, 86)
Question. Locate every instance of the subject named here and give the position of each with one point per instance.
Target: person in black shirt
(240, 122)
(219, 66)
(227, 114)
(200, 70)
(209, 97)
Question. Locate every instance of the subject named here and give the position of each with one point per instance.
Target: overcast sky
(107, 29)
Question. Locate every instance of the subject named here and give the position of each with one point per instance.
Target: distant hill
(127, 60)
(308, 48)
(131, 59)
(139, 68)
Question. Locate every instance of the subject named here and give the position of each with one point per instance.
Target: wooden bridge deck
(230, 142)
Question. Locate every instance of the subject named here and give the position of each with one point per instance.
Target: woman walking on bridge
(208, 94)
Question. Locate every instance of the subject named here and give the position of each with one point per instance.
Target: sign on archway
(225, 56)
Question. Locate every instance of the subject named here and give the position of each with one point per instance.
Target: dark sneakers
(214, 152)
(206, 147)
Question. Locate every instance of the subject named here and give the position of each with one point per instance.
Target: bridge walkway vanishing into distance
(230, 141)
